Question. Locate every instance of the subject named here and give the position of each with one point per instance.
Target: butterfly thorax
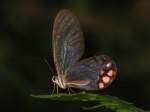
(60, 81)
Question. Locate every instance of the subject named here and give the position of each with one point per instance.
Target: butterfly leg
(54, 88)
(57, 88)
(70, 90)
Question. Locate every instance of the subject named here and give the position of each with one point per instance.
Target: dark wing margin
(67, 41)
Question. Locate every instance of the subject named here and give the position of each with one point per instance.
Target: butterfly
(94, 73)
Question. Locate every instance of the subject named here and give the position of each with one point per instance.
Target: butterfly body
(93, 73)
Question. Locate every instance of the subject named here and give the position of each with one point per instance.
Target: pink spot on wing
(110, 73)
(114, 72)
(101, 85)
(106, 79)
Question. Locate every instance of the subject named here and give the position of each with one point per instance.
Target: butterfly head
(60, 81)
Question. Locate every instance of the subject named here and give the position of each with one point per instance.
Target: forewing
(67, 41)
(92, 74)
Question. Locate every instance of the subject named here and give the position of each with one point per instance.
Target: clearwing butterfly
(94, 73)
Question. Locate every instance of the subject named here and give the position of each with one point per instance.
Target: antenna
(49, 66)
(46, 63)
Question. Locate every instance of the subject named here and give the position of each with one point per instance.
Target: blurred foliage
(106, 101)
(116, 28)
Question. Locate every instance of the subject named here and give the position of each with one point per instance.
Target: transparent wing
(67, 41)
(92, 74)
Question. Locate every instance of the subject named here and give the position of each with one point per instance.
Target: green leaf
(107, 101)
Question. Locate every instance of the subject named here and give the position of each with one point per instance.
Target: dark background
(118, 28)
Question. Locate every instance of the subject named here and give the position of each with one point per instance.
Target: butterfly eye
(104, 60)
